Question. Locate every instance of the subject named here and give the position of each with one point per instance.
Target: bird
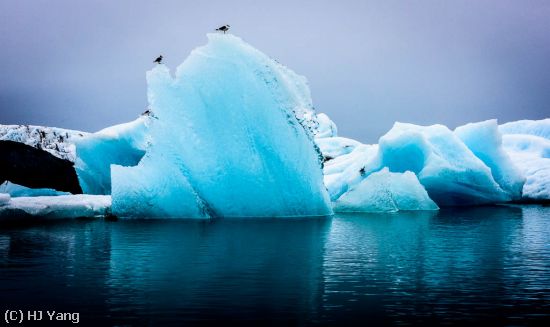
(158, 60)
(224, 28)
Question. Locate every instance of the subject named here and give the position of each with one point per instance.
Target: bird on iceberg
(224, 28)
(158, 60)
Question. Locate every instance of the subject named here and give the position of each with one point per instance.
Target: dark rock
(24, 165)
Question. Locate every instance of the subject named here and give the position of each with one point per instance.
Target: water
(485, 264)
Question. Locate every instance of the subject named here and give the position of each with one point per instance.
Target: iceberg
(485, 141)
(15, 190)
(384, 191)
(467, 166)
(234, 133)
(528, 144)
(55, 207)
(233, 137)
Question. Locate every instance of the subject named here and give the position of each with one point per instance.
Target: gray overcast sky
(81, 64)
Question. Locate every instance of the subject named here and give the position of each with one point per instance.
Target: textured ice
(528, 144)
(57, 141)
(234, 137)
(468, 166)
(325, 126)
(485, 141)
(451, 173)
(539, 128)
(122, 144)
(63, 206)
(4, 199)
(16, 190)
(384, 191)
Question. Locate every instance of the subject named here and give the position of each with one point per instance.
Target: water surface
(484, 264)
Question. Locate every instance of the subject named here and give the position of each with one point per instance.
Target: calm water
(487, 264)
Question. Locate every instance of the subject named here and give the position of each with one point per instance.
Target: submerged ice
(233, 136)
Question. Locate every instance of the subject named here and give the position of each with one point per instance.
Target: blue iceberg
(528, 143)
(122, 144)
(467, 166)
(233, 136)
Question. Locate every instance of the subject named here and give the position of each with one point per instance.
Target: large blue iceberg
(232, 136)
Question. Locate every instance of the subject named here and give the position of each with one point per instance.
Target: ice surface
(57, 141)
(63, 206)
(234, 137)
(528, 144)
(468, 166)
(4, 199)
(122, 144)
(451, 173)
(384, 191)
(485, 141)
(529, 127)
(326, 127)
(349, 169)
(16, 190)
(333, 147)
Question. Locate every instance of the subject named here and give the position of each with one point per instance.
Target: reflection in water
(458, 264)
(226, 269)
(486, 263)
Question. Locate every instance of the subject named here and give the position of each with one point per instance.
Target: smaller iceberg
(384, 191)
(15, 190)
(528, 144)
(54, 207)
(467, 166)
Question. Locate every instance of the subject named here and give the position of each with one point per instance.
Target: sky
(81, 64)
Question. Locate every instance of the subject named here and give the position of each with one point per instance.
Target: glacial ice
(15, 190)
(485, 141)
(528, 144)
(57, 141)
(384, 191)
(62, 206)
(539, 128)
(4, 198)
(234, 133)
(464, 167)
(233, 137)
(122, 144)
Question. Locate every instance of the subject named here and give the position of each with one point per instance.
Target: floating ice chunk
(63, 206)
(16, 190)
(385, 192)
(234, 137)
(122, 144)
(447, 168)
(485, 141)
